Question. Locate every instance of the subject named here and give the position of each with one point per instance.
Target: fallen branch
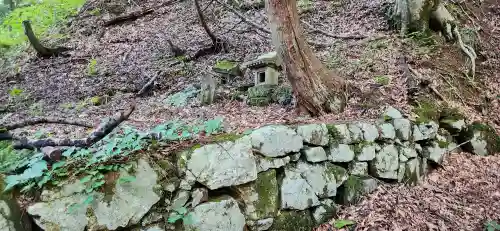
(147, 87)
(41, 50)
(43, 120)
(97, 134)
(129, 17)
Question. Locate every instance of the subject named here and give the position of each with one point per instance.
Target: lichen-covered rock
(370, 131)
(199, 195)
(435, 152)
(339, 133)
(358, 168)
(218, 215)
(316, 134)
(410, 172)
(356, 133)
(454, 126)
(354, 188)
(428, 130)
(296, 193)
(129, 203)
(483, 139)
(151, 217)
(387, 131)
(180, 199)
(365, 151)
(341, 153)
(325, 211)
(295, 157)
(293, 220)
(261, 225)
(386, 163)
(408, 150)
(266, 163)
(392, 113)
(11, 215)
(276, 140)
(304, 183)
(260, 198)
(403, 128)
(315, 154)
(224, 164)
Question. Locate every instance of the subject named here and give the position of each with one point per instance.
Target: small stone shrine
(266, 69)
(227, 70)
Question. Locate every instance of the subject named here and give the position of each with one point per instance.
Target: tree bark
(317, 89)
(41, 50)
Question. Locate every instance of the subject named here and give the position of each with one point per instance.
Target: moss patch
(266, 186)
(336, 171)
(334, 132)
(350, 191)
(426, 111)
(293, 221)
(226, 137)
(226, 65)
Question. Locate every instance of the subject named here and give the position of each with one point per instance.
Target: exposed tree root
(407, 15)
(41, 50)
(468, 50)
(129, 17)
(97, 134)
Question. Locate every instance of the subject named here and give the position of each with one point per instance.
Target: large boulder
(354, 188)
(276, 140)
(316, 134)
(386, 163)
(224, 164)
(370, 131)
(403, 128)
(223, 214)
(315, 154)
(260, 197)
(483, 139)
(305, 183)
(435, 151)
(341, 153)
(128, 203)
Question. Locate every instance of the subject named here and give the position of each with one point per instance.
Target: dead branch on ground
(97, 134)
(316, 30)
(128, 17)
(41, 50)
(217, 46)
(43, 120)
(147, 87)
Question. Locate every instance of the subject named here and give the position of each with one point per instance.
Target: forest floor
(126, 56)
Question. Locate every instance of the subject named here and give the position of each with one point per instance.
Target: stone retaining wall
(275, 178)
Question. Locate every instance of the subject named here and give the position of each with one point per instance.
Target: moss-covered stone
(335, 135)
(266, 186)
(227, 67)
(293, 221)
(483, 139)
(354, 188)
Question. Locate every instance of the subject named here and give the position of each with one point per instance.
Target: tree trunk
(316, 89)
(10, 4)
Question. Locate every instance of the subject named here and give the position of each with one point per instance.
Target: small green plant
(382, 80)
(15, 92)
(305, 5)
(492, 226)
(92, 67)
(95, 12)
(339, 224)
(181, 213)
